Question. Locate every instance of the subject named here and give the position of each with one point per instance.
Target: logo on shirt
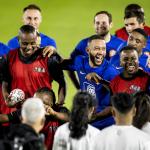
(82, 72)
(39, 69)
(90, 88)
(135, 88)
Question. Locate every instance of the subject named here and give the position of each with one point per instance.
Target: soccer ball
(17, 95)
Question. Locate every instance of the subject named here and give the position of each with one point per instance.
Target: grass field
(67, 21)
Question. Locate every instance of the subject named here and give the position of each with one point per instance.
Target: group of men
(105, 64)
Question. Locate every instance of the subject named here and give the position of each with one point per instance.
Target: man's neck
(124, 121)
(107, 37)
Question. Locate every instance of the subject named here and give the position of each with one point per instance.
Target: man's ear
(87, 49)
(111, 25)
(113, 112)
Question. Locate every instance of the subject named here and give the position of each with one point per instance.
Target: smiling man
(32, 15)
(138, 39)
(27, 69)
(132, 79)
(95, 63)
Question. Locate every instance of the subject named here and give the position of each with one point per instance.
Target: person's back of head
(33, 113)
(123, 108)
(82, 109)
(142, 104)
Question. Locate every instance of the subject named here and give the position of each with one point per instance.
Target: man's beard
(103, 34)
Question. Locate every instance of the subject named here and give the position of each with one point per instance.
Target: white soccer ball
(17, 95)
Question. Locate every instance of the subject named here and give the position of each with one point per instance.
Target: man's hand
(9, 102)
(94, 77)
(49, 110)
(49, 50)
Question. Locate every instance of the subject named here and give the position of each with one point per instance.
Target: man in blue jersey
(138, 39)
(32, 16)
(95, 63)
(102, 25)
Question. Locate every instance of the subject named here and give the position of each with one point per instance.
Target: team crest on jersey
(135, 88)
(90, 88)
(39, 69)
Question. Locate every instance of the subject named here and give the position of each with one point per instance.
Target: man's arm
(4, 118)
(63, 116)
(98, 80)
(5, 78)
(103, 114)
(58, 75)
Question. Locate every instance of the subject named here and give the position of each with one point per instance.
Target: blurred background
(67, 21)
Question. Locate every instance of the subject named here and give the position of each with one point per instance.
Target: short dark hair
(133, 8)
(142, 32)
(32, 6)
(106, 13)
(138, 15)
(142, 104)
(78, 124)
(27, 29)
(95, 37)
(129, 47)
(122, 102)
(48, 91)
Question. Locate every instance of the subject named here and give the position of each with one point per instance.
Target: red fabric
(118, 84)
(49, 130)
(4, 109)
(122, 33)
(29, 77)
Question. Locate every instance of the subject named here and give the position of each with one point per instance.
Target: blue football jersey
(107, 72)
(3, 49)
(147, 48)
(114, 44)
(45, 41)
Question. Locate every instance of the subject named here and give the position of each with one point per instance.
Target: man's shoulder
(45, 36)
(120, 30)
(83, 41)
(147, 29)
(109, 67)
(122, 33)
(13, 43)
(114, 38)
(13, 40)
(63, 129)
(47, 41)
(93, 130)
(4, 49)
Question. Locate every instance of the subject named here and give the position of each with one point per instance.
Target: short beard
(103, 34)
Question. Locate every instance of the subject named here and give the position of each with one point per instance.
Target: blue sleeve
(80, 49)
(3, 49)
(72, 64)
(115, 60)
(13, 43)
(110, 73)
(47, 41)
